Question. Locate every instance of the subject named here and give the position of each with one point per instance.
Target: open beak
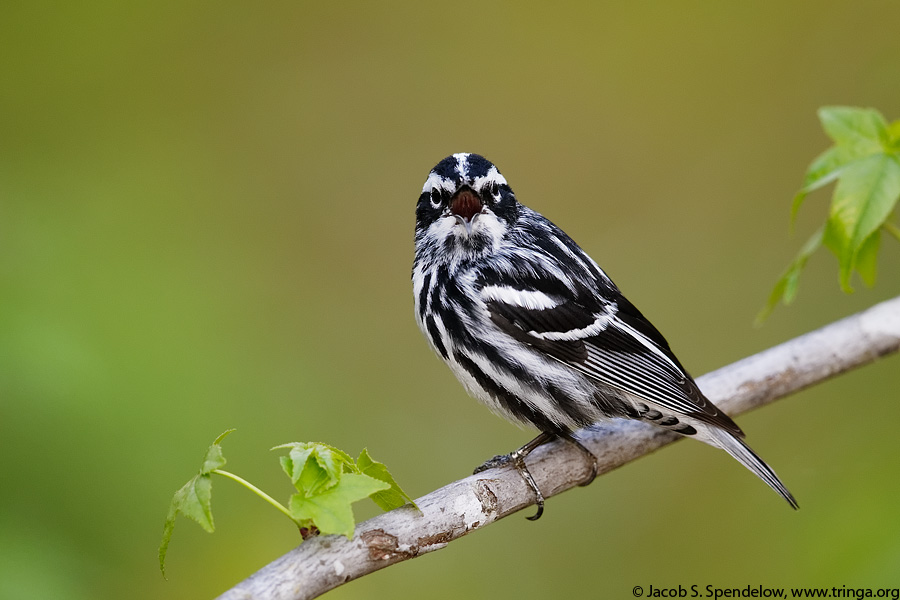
(464, 205)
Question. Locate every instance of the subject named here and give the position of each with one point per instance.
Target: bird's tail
(742, 453)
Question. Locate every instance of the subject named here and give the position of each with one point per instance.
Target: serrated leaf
(864, 198)
(344, 458)
(295, 460)
(786, 287)
(391, 498)
(287, 465)
(331, 510)
(339, 454)
(313, 466)
(213, 460)
(313, 478)
(194, 498)
(331, 461)
(862, 130)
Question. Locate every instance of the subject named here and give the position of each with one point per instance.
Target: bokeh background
(206, 217)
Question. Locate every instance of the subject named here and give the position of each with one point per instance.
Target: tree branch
(325, 562)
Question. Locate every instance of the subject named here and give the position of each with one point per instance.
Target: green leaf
(827, 167)
(786, 287)
(331, 460)
(391, 498)
(857, 132)
(313, 478)
(865, 162)
(822, 171)
(294, 462)
(866, 259)
(894, 134)
(862, 130)
(864, 197)
(214, 458)
(331, 510)
(313, 466)
(194, 499)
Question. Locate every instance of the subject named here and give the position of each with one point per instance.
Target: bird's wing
(610, 341)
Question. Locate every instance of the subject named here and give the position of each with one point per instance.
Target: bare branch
(461, 507)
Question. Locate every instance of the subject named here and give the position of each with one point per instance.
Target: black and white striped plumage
(532, 326)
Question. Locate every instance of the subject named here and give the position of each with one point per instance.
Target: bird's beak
(465, 205)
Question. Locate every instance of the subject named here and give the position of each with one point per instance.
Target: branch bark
(325, 562)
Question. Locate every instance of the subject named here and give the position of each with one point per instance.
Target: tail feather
(742, 453)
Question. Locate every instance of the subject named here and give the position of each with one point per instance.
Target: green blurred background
(206, 218)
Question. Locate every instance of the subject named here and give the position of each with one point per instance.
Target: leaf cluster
(328, 481)
(865, 164)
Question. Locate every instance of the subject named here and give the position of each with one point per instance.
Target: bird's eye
(436, 197)
(491, 191)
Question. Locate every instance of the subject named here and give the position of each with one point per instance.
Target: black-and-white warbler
(534, 329)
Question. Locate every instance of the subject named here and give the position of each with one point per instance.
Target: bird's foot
(517, 457)
(501, 460)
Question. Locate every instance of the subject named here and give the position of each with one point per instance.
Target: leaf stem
(892, 229)
(256, 490)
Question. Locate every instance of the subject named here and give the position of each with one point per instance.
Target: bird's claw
(501, 460)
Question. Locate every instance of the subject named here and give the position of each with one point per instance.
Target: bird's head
(466, 207)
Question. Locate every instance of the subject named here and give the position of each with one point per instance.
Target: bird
(538, 332)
